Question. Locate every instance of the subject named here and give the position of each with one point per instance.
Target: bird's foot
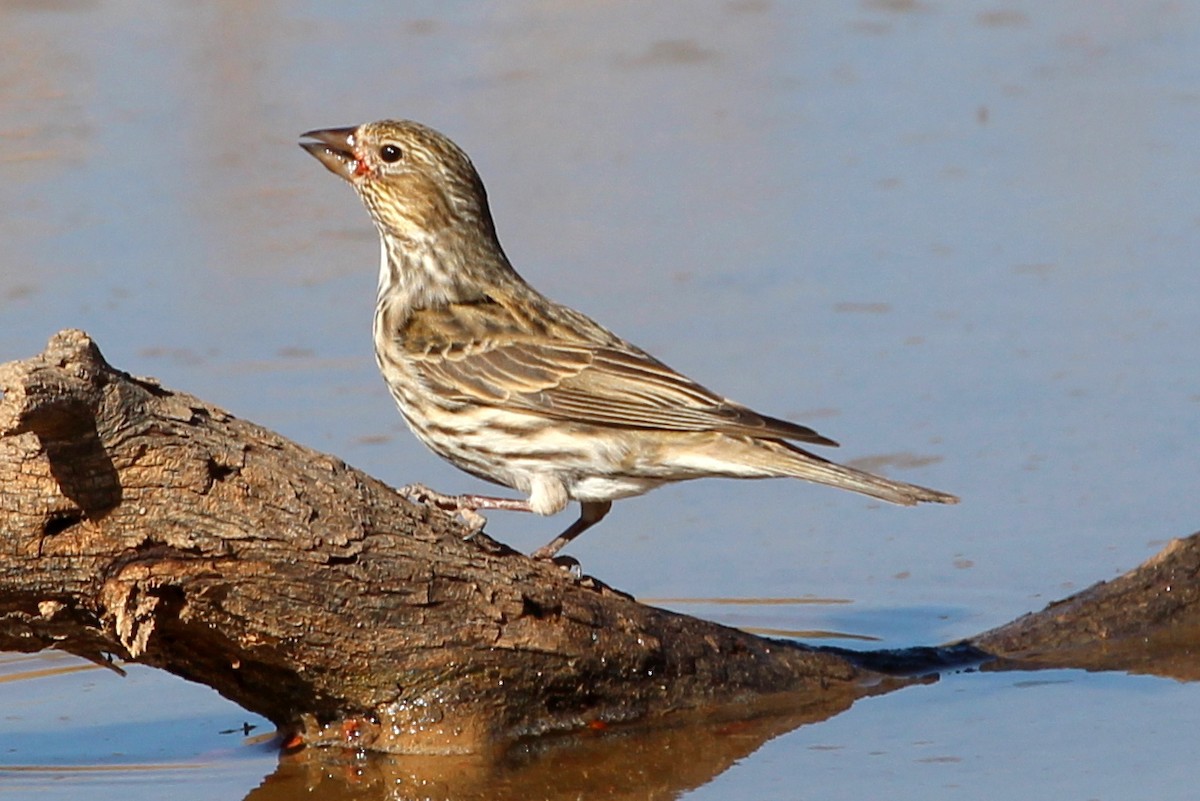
(473, 521)
(460, 505)
(569, 564)
(419, 493)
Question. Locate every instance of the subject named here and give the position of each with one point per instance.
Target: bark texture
(145, 524)
(1145, 621)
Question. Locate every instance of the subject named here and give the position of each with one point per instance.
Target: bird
(514, 388)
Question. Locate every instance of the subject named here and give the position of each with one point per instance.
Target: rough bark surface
(145, 524)
(1145, 621)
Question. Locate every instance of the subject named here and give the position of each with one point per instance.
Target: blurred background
(959, 238)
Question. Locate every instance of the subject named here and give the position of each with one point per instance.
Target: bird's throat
(427, 273)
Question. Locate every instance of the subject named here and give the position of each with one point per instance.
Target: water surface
(958, 238)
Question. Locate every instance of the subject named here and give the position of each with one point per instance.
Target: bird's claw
(569, 564)
(419, 493)
(474, 521)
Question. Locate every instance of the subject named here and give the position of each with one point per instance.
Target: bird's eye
(390, 153)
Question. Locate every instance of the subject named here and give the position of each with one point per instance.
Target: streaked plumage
(519, 390)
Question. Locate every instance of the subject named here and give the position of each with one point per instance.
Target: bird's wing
(475, 353)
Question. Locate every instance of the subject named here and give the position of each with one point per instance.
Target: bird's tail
(783, 459)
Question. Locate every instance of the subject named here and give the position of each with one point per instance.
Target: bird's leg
(466, 506)
(458, 503)
(590, 513)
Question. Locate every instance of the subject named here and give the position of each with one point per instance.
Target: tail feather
(811, 467)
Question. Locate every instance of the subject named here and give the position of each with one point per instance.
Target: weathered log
(145, 524)
(1145, 621)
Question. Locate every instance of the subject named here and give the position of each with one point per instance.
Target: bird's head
(414, 181)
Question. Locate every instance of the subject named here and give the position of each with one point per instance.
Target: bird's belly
(609, 488)
(493, 444)
(518, 450)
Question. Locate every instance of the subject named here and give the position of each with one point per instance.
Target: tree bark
(1145, 621)
(142, 523)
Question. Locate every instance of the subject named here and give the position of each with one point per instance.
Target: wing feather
(487, 357)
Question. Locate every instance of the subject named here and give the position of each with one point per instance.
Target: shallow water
(958, 238)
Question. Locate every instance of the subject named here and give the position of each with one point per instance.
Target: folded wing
(480, 353)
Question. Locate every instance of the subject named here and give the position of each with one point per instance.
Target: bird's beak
(333, 147)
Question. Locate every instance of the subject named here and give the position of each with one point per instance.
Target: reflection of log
(144, 523)
(654, 762)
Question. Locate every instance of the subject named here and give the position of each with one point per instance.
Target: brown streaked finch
(519, 390)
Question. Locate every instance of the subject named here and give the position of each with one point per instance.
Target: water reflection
(662, 763)
(960, 237)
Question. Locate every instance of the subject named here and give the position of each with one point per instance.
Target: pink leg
(466, 506)
(590, 513)
(460, 503)
(476, 502)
